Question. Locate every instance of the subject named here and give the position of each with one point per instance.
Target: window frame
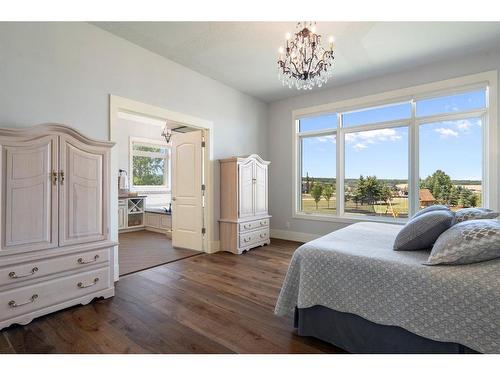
(488, 115)
(167, 168)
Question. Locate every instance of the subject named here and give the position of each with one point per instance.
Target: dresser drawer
(32, 270)
(35, 297)
(252, 225)
(250, 238)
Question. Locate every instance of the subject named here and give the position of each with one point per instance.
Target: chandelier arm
(297, 72)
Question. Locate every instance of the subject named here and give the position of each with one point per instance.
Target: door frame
(120, 104)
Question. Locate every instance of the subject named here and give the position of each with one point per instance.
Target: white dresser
(244, 222)
(55, 250)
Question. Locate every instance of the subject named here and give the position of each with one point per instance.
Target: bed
(351, 289)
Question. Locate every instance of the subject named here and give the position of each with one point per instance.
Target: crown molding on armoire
(55, 247)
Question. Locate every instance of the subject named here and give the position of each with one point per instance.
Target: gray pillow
(435, 207)
(471, 241)
(475, 213)
(422, 231)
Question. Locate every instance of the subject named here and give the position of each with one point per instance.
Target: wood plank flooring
(218, 303)
(144, 249)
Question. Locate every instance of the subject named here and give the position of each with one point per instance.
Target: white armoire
(244, 222)
(55, 250)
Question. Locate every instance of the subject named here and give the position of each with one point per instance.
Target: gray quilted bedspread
(355, 270)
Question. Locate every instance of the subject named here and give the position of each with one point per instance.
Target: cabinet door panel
(81, 193)
(122, 212)
(246, 195)
(29, 198)
(260, 189)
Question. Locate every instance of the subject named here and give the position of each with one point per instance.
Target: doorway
(163, 185)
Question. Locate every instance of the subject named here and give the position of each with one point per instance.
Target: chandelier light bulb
(287, 36)
(313, 28)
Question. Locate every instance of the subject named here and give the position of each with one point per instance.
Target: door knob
(173, 198)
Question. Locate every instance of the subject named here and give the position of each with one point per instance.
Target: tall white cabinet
(55, 250)
(244, 222)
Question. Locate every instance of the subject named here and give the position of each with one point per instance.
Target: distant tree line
(320, 190)
(370, 190)
(445, 192)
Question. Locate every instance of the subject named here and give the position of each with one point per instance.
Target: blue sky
(453, 146)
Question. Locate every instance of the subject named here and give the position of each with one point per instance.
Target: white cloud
(327, 138)
(463, 125)
(361, 140)
(359, 146)
(446, 132)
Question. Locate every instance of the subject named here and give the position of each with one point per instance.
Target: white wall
(64, 73)
(280, 133)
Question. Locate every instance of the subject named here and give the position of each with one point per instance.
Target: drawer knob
(81, 261)
(246, 239)
(82, 285)
(263, 235)
(13, 275)
(32, 299)
(263, 222)
(247, 226)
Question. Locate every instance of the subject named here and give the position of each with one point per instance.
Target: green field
(399, 205)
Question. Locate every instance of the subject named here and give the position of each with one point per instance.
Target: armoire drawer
(247, 239)
(252, 225)
(35, 297)
(44, 267)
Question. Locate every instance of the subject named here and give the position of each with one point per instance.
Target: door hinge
(202, 143)
(203, 230)
(202, 187)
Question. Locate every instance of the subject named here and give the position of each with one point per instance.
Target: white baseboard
(293, 236)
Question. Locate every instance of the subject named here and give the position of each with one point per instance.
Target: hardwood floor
(144, 249)
(218, 303)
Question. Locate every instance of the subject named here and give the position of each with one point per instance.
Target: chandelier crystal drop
(303, 62)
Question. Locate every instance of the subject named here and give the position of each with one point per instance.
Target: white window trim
(489, 115)
(165, 188)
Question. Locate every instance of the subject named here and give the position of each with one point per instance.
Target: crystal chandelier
(303, 62)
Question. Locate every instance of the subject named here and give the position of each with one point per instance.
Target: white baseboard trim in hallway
(293, 236)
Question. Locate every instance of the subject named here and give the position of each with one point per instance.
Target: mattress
(355, 270)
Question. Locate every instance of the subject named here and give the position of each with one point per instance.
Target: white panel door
(29, 199)
(187, 198)
(81, 217)
(246, 190)
(260, 189)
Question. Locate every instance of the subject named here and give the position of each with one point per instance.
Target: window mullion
(340, 167)
(413, 169)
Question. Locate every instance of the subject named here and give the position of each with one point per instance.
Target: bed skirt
(358, 335)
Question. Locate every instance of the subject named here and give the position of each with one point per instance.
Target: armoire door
(260, 189)
(81, 216)
(29, 194)
(246, 193)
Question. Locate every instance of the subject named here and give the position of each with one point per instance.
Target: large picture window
(149, 164)
(391, 160)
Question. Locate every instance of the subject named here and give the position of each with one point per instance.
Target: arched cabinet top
(52, 129)
(246, 159)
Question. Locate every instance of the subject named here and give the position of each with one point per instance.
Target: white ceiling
(243, 54)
